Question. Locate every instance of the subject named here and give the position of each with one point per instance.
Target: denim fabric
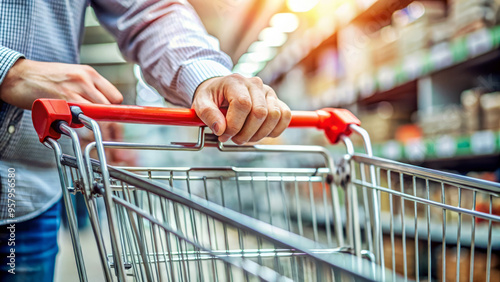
(35, 247)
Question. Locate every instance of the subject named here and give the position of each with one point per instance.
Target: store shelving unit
(423, 80)
(475, 49)
(436, 231)
(379, 11)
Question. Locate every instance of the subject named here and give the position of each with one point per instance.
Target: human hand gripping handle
(253, 108)
(48, 112)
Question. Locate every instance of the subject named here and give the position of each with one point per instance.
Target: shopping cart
(243, 223)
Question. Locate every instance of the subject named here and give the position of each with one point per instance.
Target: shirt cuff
(7, 58)
(195, 73)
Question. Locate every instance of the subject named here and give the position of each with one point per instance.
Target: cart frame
(361, 257)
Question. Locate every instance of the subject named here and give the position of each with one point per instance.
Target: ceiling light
(285, 22)
(248, 68)
(262, 55)
(301, 5)
(272, 37)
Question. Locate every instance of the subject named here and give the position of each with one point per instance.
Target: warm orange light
(301, 5)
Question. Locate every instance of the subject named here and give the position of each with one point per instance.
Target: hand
(254, 111)
(29, 80)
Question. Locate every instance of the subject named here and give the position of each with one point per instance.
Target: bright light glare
(258, 46)
(248, 68)
(262, 55)
(301, 5)
(272, 37)
(285, 22)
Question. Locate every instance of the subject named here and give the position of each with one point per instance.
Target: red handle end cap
(45, 112)
(338, 123)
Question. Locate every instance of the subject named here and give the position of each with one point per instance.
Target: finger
(257, 115)
(107, 89)
(240, 105)
(286, 116)
(95, 96)
(209, 113)
(273, 117)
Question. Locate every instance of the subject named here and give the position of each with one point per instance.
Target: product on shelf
(441, 120)
(382, 121)
(398, 254)
(472, 109)
(470, 15)
(416, 24)
(490, 105)
(479, 265)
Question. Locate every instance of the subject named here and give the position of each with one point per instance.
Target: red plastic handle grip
(47, 111)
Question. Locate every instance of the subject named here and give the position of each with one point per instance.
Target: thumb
(211, 115)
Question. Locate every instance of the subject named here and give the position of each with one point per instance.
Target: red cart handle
(46, 112)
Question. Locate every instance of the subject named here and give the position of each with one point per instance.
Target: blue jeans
(35, 247)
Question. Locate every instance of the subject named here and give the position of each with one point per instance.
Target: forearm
(169, 42)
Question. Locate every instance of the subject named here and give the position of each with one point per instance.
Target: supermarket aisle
(65, 264)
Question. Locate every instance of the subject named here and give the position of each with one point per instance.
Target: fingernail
(215, 128)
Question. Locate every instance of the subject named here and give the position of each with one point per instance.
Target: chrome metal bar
(82, 168)
(354, 198)
(439, 176)
(473, 238)
(429, 250)
(403, 226)
(443, 242)
(391, 211)
(378, 240)
(488, 254)
(417, 278)
(430, 202)
(459, 233)
(70, 212)
(110, 209)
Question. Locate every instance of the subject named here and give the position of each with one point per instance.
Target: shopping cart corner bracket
(337, 123)
(46, 113)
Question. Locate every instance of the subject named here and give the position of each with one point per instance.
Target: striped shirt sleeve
(168, 41)
(7, 58)
(9, 115)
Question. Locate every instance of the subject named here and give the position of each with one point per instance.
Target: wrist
(11, 80)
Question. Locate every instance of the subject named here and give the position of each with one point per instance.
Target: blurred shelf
(436, 231)
(379, 12)
(477, 151)
(469, 51)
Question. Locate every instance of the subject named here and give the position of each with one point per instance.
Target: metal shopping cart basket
(344, 220)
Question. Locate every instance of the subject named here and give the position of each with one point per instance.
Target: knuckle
(231, 129)
(77, 76)
(257, 81)
(286, 113)
(260, 112)
(269, 89)
(274, 114)
(237, 77)
(88, 69)
(244, 102)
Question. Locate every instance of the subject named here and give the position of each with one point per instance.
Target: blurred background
(423, 77)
